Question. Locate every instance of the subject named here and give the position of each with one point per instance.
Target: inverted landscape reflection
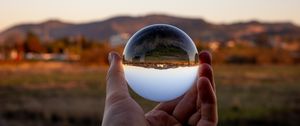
(160, 62)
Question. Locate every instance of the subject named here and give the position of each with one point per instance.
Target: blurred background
(53, 56)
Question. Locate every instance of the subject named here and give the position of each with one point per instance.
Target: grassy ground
(69, 94)
(258, 95)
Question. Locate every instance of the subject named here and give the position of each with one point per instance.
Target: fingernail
(110, 57)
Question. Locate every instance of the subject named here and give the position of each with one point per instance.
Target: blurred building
(52, 56)
(214, 45)
(231, 44)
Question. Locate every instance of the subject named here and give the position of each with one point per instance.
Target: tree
(32, 43)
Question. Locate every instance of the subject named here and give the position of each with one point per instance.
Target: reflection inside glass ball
(160, 62)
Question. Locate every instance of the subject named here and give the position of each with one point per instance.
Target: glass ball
(160, 62)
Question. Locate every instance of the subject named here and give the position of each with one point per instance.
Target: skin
(197, 107)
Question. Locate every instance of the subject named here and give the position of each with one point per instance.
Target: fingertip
(116, 67)
(168, 106)
(113, 57)
(205, 57)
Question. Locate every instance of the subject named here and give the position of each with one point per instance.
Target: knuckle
(115, 97)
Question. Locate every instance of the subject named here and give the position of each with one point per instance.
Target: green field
(65, 94)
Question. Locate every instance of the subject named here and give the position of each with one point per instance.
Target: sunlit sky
(217, 11)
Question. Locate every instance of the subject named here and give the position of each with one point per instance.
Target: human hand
(197, 107)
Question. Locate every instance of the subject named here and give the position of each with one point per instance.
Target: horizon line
(145, 15)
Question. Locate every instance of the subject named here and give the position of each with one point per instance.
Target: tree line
(95, 52)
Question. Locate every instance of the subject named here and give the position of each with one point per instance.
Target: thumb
(116, 88)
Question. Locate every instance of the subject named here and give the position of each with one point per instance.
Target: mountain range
(197, 28)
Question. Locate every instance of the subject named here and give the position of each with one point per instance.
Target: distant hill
(197, 28)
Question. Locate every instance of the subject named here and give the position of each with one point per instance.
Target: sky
(79, 11)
